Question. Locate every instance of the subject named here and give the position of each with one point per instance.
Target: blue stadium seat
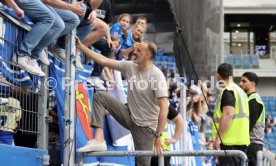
(160, 53)
(270, 98)
(230, 59)
(246, 62)
(170, 59)
(273, 149)
(271, 107)
(268, 109)
(164, 58)
(238, 61)
(271, 102)
(173, 59)
(264, 98)
(269, 136)
(157, 58)
(272, 140)
(159, 65)
(255, 61)
(273, 114)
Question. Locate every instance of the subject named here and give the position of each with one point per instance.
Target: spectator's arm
(196, 118)
(108, 77)
(74, 7)
(128, 50)
(125, 51)
(19, 12)
(108, 38)
(179, 125)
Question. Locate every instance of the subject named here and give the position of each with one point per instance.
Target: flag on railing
(84, 96)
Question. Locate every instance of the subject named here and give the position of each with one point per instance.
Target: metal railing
(242, 155)
(265, 160)
(27, 97)
(17, 84)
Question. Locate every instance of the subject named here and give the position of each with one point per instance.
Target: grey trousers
(142, 136)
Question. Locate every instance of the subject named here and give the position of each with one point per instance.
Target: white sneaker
(95, 81)
(34, 63)
(92, 146)
(3, 101)
(78, 61)
(44, 57)
(24, 63)
(59, 53)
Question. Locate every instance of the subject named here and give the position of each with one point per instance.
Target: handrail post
(69, 101)
(238, 153)
(161, 160)
(243, 157)
(259, 158)
(81, 158)
(183, 112)
(183, 140)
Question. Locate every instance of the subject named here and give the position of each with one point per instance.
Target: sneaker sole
(17, 65)
(59, 58)
(95, 149)
(47, 64)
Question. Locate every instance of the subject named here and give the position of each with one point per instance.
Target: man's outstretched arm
(100, 59)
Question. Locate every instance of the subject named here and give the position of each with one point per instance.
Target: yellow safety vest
(237, 132)
(165, 135)
(257, 133)
(261, 119)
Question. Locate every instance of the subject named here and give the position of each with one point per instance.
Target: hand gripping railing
(239, 153)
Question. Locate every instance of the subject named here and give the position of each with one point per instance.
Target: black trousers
(154, 161)
(231, 161)
(252, 153)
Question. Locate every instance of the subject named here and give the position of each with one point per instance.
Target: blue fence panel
(14, 156)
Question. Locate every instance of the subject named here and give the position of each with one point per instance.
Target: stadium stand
(245, 62)
(230, 59)
(254, 61)
(238, 61)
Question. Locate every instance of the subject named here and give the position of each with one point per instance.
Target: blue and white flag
(12, 36)
(57, 70)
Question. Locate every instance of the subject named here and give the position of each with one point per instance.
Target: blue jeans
(71, 21)
(43, 19)
(51, 35)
